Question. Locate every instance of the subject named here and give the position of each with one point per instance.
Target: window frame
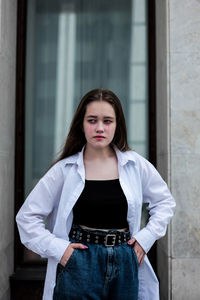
(20, 119)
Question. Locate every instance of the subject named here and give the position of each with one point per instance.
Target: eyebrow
(95, 117)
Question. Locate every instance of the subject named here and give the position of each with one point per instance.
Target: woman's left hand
(138, 250)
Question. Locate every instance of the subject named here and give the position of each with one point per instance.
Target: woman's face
(99, 124)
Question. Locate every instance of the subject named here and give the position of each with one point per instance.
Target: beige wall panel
(8, 14)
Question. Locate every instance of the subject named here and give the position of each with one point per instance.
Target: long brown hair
(76, 138)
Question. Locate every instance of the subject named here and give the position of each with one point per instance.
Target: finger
(140, 256)
(138, 248)
(79, 246)
(131, 241)
(142, 259)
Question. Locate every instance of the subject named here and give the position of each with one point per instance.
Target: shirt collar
(78, 160)
(75, 158)
(122, 157)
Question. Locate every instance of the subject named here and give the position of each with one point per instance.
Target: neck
(93, 153)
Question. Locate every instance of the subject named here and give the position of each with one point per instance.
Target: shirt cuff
(145, 238)
(57, 248)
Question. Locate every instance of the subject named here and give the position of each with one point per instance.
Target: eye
(107, 121)
(92, 121)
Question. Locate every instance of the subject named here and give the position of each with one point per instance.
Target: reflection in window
(74, 46)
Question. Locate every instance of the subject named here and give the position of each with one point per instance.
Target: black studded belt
(107, 238)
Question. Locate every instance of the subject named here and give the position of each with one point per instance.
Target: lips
(99, 137)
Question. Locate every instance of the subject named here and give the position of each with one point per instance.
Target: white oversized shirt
(51, 202)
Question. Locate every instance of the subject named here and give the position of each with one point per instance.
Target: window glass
(74, 46)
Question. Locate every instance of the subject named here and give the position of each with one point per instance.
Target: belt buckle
(106, 243)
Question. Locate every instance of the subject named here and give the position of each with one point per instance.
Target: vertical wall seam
(169, 143)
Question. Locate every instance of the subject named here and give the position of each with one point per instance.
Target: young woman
(91, 199)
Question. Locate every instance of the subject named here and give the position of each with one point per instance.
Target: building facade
(177, 74)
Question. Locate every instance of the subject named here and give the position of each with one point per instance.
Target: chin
(100, 145)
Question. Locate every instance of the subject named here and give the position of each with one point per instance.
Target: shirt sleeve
(32, 216)
(161, 206)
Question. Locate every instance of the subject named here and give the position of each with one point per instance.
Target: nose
(100, 127)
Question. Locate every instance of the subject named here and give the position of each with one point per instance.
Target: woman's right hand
(69, 250)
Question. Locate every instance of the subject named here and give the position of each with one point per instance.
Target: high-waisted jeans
(98, 273)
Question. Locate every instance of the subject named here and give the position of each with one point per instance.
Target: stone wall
(7, 129)
(185, 146)
(178, 85)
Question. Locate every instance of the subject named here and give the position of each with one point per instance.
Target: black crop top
(102, 204)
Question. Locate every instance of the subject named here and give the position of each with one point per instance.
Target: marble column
(185, 146)
(178, 93)
(8, 18)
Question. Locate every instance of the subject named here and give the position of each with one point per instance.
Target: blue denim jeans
(98, 273)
